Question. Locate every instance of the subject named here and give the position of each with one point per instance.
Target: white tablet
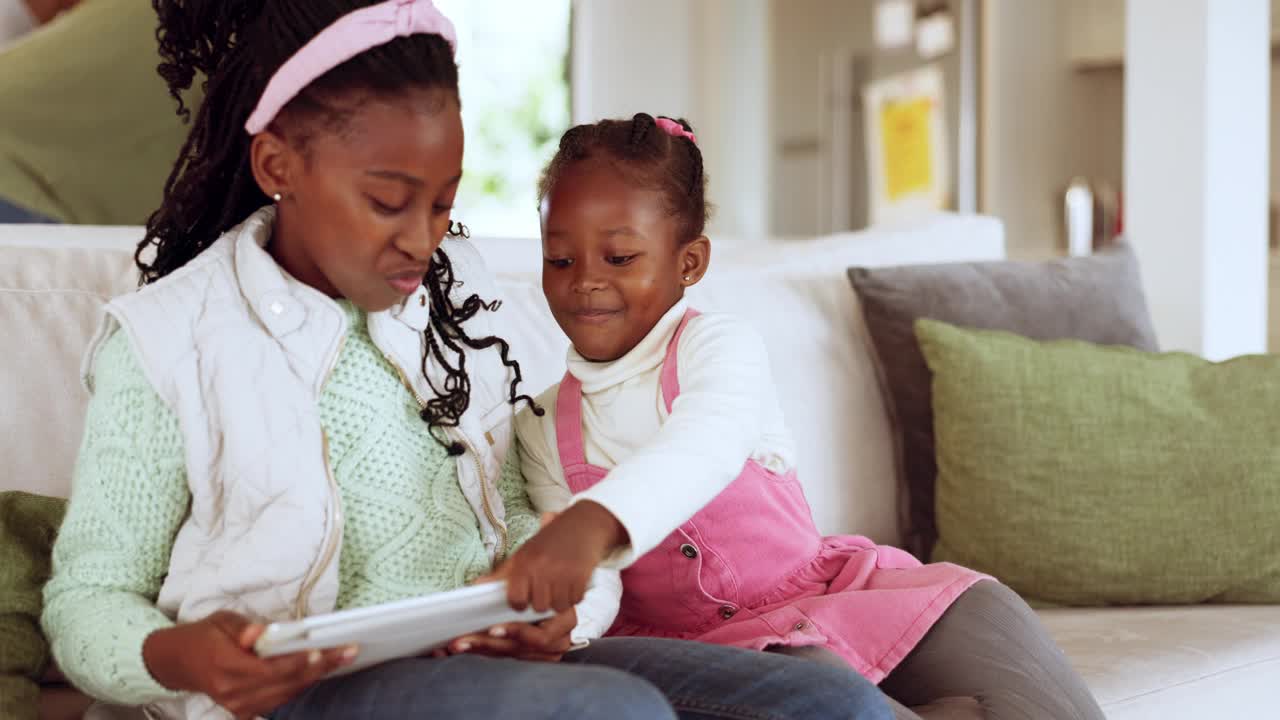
(405, 628)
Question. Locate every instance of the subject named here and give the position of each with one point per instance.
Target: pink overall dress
(751, 569)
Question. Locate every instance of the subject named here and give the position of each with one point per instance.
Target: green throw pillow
(28, 525)
(1088, 475)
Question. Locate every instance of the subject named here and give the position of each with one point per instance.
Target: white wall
(1100, 94)
(1196, 175)
(1043, 120)
(1025, 85)
(706, 61)
(805, 34)
(631, 57)
(733, 117)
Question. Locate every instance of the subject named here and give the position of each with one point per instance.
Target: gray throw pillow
(1097, 299)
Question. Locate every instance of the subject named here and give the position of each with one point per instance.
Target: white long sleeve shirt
(662, 467)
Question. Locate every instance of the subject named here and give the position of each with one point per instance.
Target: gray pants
(987, 657)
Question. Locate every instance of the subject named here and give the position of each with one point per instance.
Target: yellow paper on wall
(905, 132)
(907, 166)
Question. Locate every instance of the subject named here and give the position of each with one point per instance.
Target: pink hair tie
(347, 37)
(674, 129)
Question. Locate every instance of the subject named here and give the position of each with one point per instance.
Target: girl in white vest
(308, 407)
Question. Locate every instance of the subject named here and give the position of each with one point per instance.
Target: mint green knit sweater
(409, 530)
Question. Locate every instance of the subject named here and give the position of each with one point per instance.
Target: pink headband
(347, 37)
(674, 129)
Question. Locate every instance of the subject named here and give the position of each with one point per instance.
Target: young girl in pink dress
(665, 448)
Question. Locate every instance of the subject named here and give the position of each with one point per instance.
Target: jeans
(10, 213)
(712, 681)
(617, 679)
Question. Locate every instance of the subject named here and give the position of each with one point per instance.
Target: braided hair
(647, 157)
(236, 46)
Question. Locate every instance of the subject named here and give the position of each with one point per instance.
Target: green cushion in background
(88, 131)
(28, 525)
(1088, 475)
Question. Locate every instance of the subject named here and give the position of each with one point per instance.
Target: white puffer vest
(240, 351)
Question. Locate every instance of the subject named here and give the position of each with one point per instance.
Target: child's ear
(272, 160)
(695, 256)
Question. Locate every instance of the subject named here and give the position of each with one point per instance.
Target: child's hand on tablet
(215, 656)
(552, 569)
(546, 641)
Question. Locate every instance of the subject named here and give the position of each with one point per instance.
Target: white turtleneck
(663, 468)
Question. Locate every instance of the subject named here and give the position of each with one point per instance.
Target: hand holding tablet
(405, 628)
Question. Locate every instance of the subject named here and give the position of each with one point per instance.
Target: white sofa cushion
(796, 294)
(53, 279)
(51, 295)
(1177, 662)
(826, 384)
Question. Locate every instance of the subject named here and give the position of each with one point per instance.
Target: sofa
(1141, 662)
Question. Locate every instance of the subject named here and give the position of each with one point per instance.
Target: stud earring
(277, 197)
(688, 278)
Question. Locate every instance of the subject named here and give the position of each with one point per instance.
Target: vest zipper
(331, 548)
(501, 529)
(422, 403)
(500, 553)
(335, 509)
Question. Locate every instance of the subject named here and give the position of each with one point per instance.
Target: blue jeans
(10, 213)
(616, 678)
